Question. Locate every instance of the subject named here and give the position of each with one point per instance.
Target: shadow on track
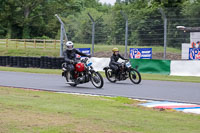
(122, 83)
(82, 87)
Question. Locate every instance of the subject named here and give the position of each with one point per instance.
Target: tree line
(36, 19)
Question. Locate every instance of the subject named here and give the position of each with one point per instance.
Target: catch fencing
(146, 31)
(158, 28)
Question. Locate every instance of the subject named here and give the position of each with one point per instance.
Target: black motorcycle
(83, 73)
(125, 72)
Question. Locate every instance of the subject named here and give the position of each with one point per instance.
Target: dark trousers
(71, 68)
(115, 69)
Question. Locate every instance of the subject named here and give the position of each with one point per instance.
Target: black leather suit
(114, 65)
(70, 58)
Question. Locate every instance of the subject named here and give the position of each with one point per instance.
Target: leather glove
(71, 61)
(119, 64)
(75, 62)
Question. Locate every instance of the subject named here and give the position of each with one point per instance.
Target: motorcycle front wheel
(110, 76)
(69, 81)
(135, 76)
(97, 79)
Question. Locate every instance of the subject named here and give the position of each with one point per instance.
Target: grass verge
(144, 76)
(38, 111)
(11, 50)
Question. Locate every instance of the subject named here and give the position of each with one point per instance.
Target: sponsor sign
(194, 53)
(83, 50)
(141, 53)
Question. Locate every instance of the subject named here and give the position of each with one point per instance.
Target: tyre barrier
(35, 62)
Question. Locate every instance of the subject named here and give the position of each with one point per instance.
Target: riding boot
(117, 75)
(72, 75)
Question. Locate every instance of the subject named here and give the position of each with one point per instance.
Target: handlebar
(84, 60)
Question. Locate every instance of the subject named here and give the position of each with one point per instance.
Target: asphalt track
(147, 89)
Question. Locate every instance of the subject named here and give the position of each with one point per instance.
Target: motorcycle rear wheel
(67, 76)
(135, 76)
(96, 79)
(110, 76)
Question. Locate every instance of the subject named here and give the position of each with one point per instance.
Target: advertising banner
(83, 50)
(141, 53)
(194, 53)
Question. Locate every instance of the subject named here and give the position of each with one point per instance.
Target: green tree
(7, 16)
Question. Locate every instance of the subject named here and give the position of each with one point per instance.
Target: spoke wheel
(110, 76)
(135, 76)
(96, 79)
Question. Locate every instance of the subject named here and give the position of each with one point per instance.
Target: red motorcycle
(83, 73)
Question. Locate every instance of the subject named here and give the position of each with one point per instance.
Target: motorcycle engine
(83, 79)
(124, 76)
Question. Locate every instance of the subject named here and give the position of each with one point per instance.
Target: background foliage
(36, 19)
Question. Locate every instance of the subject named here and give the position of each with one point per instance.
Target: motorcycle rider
(70, 57)
(114, 65)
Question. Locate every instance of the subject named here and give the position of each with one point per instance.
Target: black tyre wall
(34, 62)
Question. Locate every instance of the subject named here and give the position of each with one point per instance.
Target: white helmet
(69, 45)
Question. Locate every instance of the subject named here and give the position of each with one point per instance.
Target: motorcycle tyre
(137, 74)
(107, 76)
(101, 80)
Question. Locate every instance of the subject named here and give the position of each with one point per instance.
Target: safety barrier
(176, 68)
(185, 68)
(100, 63)
(35, 62)
(151, 66)
(143, 65)
(46, 62)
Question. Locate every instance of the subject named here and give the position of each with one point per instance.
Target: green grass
(170, 78)
(144, 76)
(31, 70)
(32, 52)
(47, 112)
(101, 47)
(40, 50)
